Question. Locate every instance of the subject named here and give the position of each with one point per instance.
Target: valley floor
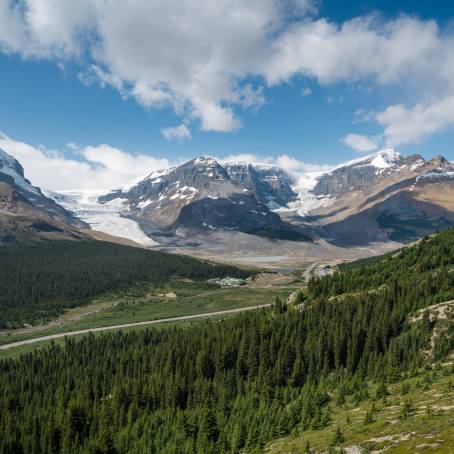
(179, 300)
(131, 325)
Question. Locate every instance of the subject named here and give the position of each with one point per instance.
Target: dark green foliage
(38, 282)
(223, 386)
(382, 391)
(368, 418)
(338, 437)
(407, 409)
(420, 274)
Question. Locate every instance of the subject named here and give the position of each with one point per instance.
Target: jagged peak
(236, 164)
(440, 161)
(381, 159)
(6, 160)
(386, 158)
(204, 161)
(11, 166)
(255, 166)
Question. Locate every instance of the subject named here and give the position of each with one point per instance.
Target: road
(129, 325)
(307, 274)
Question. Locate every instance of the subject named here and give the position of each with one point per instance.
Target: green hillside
(414, 414)
(371, 345)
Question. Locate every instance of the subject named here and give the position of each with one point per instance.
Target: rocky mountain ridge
(371, 203)
(373, 199)
(25, 212)
(202, 194)
(385, 197)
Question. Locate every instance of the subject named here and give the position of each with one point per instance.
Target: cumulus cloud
(406, 126)
(178, 133)
(359, 48)
(100, 167)
(360, 143)
(208, 60)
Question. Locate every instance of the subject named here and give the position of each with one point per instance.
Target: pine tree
(338, 437)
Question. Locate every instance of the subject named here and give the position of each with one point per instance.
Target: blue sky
(157, 82)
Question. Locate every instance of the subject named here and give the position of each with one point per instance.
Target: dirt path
(129, 325)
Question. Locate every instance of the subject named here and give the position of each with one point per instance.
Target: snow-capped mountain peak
(204, 161)
(11, 167)
(386, 158)
(381, 160)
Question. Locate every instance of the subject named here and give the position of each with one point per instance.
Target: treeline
(422, 274)
(38, 282)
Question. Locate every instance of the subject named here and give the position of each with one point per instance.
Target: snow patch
(7, 167)
(381, 160)
(118, 204)
(105, 217)
(154, 177)
(185, 192)
(386, 158)
(144, 204)
(417, 164)
(435, 174)
(305, 203)
(203, 160)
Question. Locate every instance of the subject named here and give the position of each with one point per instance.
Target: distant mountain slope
(381, 200)
(271, 185)
(385, 197)
(26, 213)
(203, 195)
(360, 173)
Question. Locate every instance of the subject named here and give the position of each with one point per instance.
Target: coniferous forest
(40, 281)
(230, 386)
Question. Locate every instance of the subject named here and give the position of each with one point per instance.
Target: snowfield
(104, 217)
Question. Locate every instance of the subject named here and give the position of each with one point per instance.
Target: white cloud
(200, 57)
(100, 167)
(178, 133)
(406, 126)
(46, 28)
(359, 48)
(216, 118)
(360, 143)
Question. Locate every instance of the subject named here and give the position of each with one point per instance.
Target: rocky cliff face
(25, 212)
(202, 195)
(240, 213)
(375, 199)
(271, 185)
(386, 197)
(358, 174)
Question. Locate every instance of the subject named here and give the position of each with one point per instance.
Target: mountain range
(372, 203)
